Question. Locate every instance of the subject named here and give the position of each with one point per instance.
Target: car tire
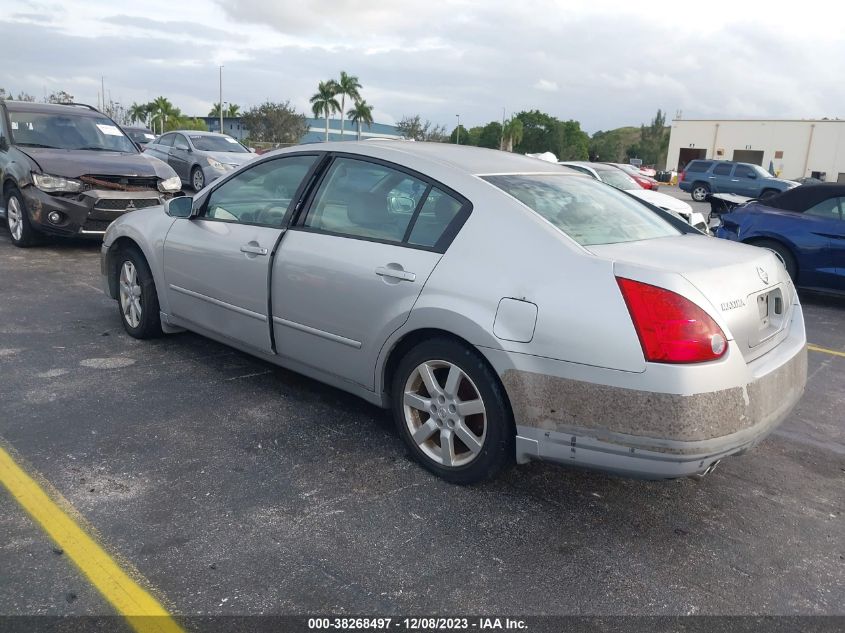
(699, 192)
(17, 220)
(784, 254)
(197, 178)
(137, 299)
(467, 408)
(768, 193)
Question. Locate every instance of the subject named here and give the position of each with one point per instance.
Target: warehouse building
(791, 149)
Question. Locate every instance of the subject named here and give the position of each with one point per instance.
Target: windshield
(586, 210)
(618, 179)
(68, 131)
(217, 143)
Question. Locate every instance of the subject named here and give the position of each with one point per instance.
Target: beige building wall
(796, 148)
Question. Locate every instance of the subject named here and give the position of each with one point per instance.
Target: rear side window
(437, 213)
(588, 211)
(830, 209)
(723, 169)
(698, 166)
(364, 199)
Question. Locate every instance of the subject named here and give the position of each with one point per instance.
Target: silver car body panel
(565, 346)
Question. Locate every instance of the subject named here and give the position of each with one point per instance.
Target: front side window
(587, 211)
(617, 178)
(830, 209)
(179, 142)
(723, 169)
(166, 140)
(68, 130)
(362, 199)
(261, 194)
(744, 171)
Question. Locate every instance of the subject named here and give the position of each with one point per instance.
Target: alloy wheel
(199, 180)
(130, 294)
(14, 215)
(444, 413)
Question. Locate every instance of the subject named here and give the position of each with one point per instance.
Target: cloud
(615, 64)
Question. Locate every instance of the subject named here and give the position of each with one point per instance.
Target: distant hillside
(616, 146)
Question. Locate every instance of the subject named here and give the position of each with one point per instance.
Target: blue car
(702, 177)
(805, 226)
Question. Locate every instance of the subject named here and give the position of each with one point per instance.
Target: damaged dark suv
(69, 170)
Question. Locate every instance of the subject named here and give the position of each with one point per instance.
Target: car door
(181, 158)
(349, 271)
(821, 245)
(217, 265)
(837, 244)
(745, 181)
(160, 148)
(720, 178)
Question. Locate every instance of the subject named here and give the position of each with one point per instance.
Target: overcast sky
(604, 63)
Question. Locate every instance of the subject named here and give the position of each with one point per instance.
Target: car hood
(232, 158)
(662, 200)
(75, 163)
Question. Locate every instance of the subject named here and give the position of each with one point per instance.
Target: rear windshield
(217, 143)
(68, 131)
(588, 211)
(698, 165)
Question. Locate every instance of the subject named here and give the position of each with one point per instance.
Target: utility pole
(458, 131)
(502, 137)
(221, 99)
(103, 92)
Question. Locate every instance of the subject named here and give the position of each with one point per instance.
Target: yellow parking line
(141, 610)
(824, 350)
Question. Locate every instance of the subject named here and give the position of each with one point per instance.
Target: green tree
(412, 127)
(139, 112)
(491, 135)
(573, 142)
(323, 102)
(232, 110)
(59, 96)
(347, 86)
(163, 113)
(361, 112)
(540, 133)
(25, 96)
(654, 140)
(512, 134)
(460, 135)
(275, 123)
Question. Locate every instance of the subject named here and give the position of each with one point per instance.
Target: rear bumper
(84, 215)
(649, 434)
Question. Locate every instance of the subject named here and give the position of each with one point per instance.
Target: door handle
(393, 273)
(253, 249)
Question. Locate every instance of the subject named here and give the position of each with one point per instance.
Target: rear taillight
(681, 176)
(671, 328)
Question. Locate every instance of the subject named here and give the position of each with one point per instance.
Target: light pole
(458, 131)
(221, 99)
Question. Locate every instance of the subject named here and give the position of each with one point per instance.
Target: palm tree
(163, 110)
(323, 103)
(139, 112)
(362, 112)
(511, 134)
(233, 110)
(347, 86)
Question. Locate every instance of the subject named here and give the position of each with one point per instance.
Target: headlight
(170, 184)
(54, 184)
(216, 164)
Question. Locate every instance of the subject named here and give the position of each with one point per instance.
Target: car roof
(195, 133)
(462, 158)
(596, 166)
(79, 109)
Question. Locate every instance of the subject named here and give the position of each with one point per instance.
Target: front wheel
(137, 298)
(17, 219)
(700, 192)
(451, 411)
(197, 178)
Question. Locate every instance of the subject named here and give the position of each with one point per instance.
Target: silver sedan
(504, 309)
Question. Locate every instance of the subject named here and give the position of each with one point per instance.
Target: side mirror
(179, 207)
(251, 150)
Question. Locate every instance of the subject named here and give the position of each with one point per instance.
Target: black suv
(69, 170)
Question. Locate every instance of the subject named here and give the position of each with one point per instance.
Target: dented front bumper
(652, 434)
(87, 214)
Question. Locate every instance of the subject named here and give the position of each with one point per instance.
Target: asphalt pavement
(230, 486)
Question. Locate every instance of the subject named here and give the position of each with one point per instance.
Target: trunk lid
(747, 286)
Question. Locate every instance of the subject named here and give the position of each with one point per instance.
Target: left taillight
(671, 328)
